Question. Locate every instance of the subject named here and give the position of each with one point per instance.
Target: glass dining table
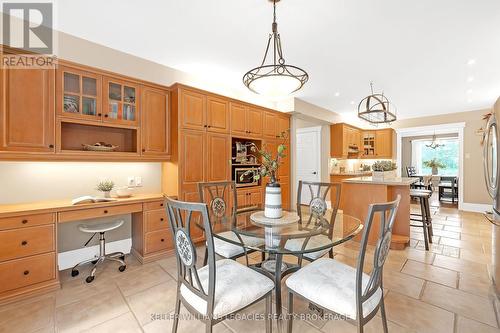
(289, 235)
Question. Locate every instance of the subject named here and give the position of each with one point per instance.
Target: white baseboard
(475, 207)
(71, 258)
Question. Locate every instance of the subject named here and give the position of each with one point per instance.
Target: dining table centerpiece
(270, 163)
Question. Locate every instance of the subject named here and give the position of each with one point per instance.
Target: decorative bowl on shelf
(124, 192)
(99, 146)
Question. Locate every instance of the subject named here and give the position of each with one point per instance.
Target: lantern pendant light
(275, 79)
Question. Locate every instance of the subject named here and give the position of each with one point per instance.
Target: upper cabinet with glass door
(121, 102)
(78, 94)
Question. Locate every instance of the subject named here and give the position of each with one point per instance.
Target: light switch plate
(138, 181)
(131, 182)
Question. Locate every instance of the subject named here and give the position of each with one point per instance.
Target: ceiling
(417, 52)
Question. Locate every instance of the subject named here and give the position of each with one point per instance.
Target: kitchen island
(359, 192)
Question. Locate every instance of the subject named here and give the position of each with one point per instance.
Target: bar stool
(425, 214)
(115, 256)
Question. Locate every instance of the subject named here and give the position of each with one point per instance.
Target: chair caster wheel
(122, 268)
(74, 272)
(94, 262)
(89, 279)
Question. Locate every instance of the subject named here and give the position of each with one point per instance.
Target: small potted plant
(106, 186)
(384, 170)
(269, 168)
(435, 165)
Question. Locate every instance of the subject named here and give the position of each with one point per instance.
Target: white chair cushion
(236, 286)
(229, 250)
(295, 244)
(331, 284)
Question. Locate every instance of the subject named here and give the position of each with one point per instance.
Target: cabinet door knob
(161, 219)
(51, 146)
(105, 211)
(161, 205)
(24, 243)
(105, 116)
(26, 272)
(99, 114)
(143, 150)
(24, 221)
(162, 240)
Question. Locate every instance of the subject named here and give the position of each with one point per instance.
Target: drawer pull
(161, 219)
(24, 221)
(161, 205)
(23, 243)
(26, 272)
(162, 240)
(105, 211)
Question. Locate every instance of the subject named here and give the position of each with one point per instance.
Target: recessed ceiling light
(352, 102)
(470, 79)
(337, 94)
(469, 91)
(471, 62)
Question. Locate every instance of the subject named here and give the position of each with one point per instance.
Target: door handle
(314, 172)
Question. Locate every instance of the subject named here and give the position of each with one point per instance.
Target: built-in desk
(28, 238)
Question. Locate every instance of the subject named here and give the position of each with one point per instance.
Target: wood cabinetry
(274, 124)
(155, 122)
(218, 115)
(51, 114)
(383, 143)
(246, 121)
(347, 141)
(248, 197)
(27, 110)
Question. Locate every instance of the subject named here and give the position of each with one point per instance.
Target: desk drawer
(26, 221)
(92, 213)
(156, 220)
(154, 205)
(17, 243)
(158, 241)
(27, 271)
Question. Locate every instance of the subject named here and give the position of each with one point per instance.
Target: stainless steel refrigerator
(491, 159)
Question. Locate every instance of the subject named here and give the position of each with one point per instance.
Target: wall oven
(244, 179)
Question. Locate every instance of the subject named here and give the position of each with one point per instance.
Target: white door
(308, 158)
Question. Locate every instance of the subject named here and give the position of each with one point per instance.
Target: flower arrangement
(384, 166)
(435, 165)
(270, 164)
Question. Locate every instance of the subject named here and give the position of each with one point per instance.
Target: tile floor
(443, 290)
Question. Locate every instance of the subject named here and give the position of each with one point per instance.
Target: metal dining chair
(345, 290)
(222, 203)
(313, 214)
(213, 292)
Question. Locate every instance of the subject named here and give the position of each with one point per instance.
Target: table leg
(277, 281)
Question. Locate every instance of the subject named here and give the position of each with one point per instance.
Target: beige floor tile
(403, 283)
(425, 257)
(28, 316)
(159, 299)
(460, 265)
(434, 247)
(373, 326)
(417, 315)
(470, 245)
(476, 256)
(447, 234)
(90, 312)
(465, 304)
(450, 251)
(431, 273)
(133, 282)
(466, 325)
(75, 290)
(125, 323)
(475, 284)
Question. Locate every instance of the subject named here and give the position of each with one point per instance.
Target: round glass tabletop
(294, 235)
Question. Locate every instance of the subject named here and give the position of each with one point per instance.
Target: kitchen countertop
(355, 173)
(399, 181)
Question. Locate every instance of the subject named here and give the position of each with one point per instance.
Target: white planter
(384, 175)
(273, 209)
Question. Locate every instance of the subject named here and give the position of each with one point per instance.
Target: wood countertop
(354, 174)
(399, 181)
(65, 205)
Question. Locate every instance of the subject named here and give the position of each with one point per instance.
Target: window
(447, 154)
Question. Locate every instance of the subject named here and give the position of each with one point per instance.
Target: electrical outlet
(138, 181)
(131, 182)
